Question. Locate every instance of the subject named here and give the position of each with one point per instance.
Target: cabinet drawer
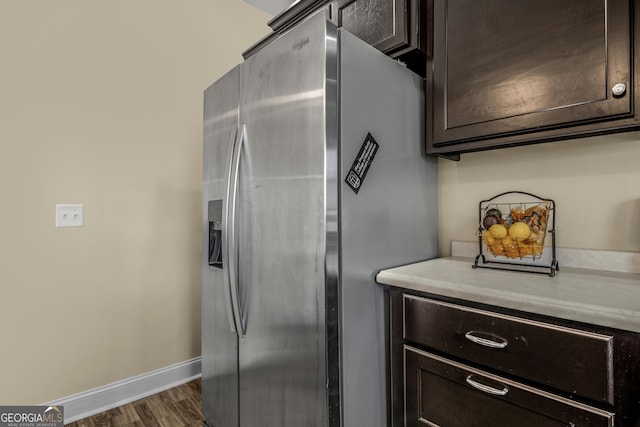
(441, 392)
(575, 361)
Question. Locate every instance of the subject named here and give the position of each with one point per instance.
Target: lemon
(498, 230)
(519, 230)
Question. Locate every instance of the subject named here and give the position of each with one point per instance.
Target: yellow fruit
(498, 230)
(519, 230)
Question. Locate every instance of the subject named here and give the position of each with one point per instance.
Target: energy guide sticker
(361, 164)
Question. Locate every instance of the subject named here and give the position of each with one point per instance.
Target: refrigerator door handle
(232, 238)
(228, 200)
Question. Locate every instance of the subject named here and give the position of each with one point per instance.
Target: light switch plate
(69, 215)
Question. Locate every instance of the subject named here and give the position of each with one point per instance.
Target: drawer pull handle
(493, 343)
(486, 388)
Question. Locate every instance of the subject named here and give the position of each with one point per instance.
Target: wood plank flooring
(176, 407)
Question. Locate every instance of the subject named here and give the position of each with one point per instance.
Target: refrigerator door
(282, 230)
(219, 341)
(391, 220)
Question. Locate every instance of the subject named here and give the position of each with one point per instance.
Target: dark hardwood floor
(176, 407)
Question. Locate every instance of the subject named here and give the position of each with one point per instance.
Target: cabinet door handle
(496, 342)
(619, 90)
(487, 389)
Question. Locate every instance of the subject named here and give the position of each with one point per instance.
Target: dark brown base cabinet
(460, 364)
(441, 392)
(507, 73)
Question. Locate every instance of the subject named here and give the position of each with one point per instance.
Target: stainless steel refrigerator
(314, 180)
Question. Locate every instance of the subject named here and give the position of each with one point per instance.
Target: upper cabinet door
(391, 26)
(399, 28)
(504, 69)
(381, 23)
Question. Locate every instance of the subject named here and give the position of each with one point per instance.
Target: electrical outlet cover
(69, 215)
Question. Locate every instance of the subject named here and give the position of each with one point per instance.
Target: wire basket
(512, 231)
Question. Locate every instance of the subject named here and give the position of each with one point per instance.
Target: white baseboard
(100, 399)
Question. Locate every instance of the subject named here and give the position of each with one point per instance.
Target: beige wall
(595, 183)
(101, 104)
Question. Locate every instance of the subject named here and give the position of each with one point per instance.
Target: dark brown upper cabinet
(392, 26)
(507, 72)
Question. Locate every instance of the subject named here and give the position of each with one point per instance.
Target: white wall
(101, 104)
(595, 183)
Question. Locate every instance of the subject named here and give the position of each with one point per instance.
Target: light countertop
(603, 298)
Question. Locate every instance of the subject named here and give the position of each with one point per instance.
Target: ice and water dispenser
(215, 233)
